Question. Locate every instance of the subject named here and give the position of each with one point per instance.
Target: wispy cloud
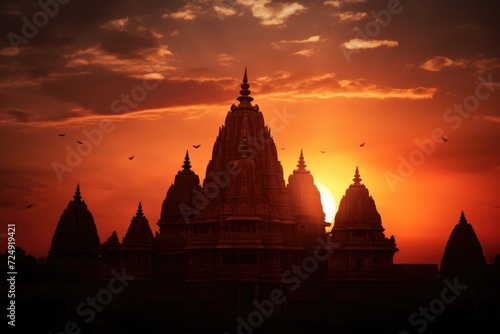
(270, 13)
(438, 63)
(339, 3)
(225, 59)
(350, 16)
(359, 43)
(491, 118)
(306, 52)
(283, 43)
(488, 64)
(118, 25)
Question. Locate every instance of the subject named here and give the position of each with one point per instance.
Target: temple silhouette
(245, 252)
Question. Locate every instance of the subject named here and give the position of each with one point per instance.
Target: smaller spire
(245, 98)
(77, 197)
(139, 213)
(301, 165)
(187, 166)
(357, 179)
(463, 220)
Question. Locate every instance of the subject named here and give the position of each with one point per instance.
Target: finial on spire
(77, 196)
(463, 220)
(139, 211)
(301, 165)
(245, 79)
(245, 98)
(357, 179)
(187, 165)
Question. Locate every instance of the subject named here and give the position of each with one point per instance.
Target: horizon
(353, 83)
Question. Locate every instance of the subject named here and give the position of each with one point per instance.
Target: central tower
(244, 229)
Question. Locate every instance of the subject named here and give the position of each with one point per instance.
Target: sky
(150, 79)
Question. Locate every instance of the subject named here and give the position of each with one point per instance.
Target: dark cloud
(16, 115)
(128, 44)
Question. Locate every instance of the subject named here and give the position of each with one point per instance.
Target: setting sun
(327, 201)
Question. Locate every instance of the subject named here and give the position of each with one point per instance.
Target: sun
(328, 202)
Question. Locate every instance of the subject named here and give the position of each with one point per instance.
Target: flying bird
(282, 148)
(196, 146)
(444, 139)
(62, 135)
(79, 142)
(322, 151)
(29, 206)
(130, 158)
(361, 145)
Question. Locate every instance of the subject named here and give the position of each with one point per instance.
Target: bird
(361, 145)
(130, 158)
(444, 139)
(282, 148)
(322, 151)
(29, 206)
(79, 142)
(62, 135)
(196, 146)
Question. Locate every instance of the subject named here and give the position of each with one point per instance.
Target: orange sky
(326, 75)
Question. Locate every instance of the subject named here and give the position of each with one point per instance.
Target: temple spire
(357, 179)
(301, 165)
(463, 220)
(77, 197)
(187, 165)
(245, 98)
(139, 211)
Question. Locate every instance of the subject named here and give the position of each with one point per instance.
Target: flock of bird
(197, 146)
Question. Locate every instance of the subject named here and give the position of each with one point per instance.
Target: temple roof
(357, 208)
(304, 195)
(463, 252)
(139, 233)
(76, 229)
(180, 195)
(244, 155)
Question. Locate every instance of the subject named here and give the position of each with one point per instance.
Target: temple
(463, 254)
(230, 242)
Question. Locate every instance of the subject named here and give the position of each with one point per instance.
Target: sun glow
(327, 201)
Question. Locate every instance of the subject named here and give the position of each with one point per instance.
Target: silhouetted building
(364, 253)
(75, 242)
(463, 254)
(240, 236)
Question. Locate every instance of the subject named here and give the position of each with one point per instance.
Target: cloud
(339, 3)
(438, 63)
(118, 24)
(282, 43)
(225, 59)
(350, 16)
(299, 86)
(488, 64)
(14, 115)
(491, 118)
(312, 39)
(223, 10)
(359, 43)
(272, 14)
(188, 12)
(306, 53)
